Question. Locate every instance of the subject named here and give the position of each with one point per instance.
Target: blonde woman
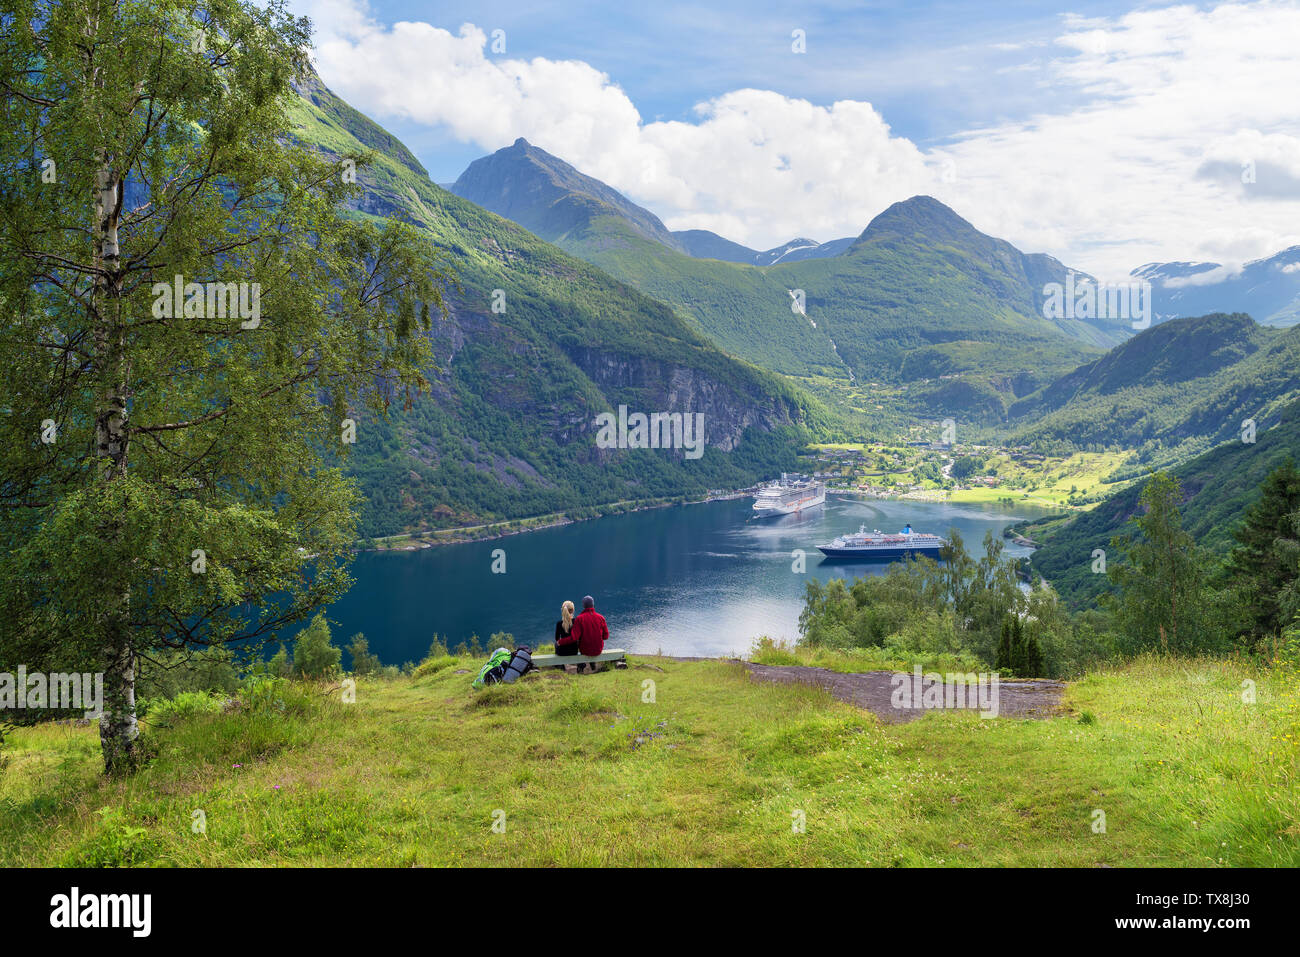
(566, 642)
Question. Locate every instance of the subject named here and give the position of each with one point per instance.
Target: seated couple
(584, 635)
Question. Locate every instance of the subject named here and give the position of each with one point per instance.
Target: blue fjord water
(700, 579)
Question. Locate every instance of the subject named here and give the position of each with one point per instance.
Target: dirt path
(874, 691)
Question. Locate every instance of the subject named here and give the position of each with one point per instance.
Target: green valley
(1218, 487)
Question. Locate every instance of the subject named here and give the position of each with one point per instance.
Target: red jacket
(592, 632)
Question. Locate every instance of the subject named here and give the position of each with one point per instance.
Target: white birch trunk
(117, 724)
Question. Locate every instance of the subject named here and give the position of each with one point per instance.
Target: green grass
(1058, 481)
(1073, 479)
(709, 773)
(767, 651)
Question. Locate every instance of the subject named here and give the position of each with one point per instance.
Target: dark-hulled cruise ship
(877, 544)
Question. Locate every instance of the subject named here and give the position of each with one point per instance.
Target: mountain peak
(919, 216)
(545, 194)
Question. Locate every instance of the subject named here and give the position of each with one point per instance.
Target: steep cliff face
(535, 345)
(648, 385)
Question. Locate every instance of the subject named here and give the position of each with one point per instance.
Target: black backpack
(519, 665)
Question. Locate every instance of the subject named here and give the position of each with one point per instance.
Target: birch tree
(1163, 599)
(190, 321)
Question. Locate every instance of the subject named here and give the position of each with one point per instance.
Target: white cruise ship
(788, 495)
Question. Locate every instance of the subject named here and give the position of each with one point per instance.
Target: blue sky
(930, 68)
(1108, 134)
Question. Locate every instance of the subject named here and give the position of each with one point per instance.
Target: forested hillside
(1217, 488)
(1170, 392)
(536, 343)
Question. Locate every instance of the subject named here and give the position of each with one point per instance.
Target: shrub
(499, 639)
(280, 666)
(1019, 652)
(363, 662)
(115, 842)
(769, 651)
(187, 704)
(263, 695)
(314, 653)
(930, 633)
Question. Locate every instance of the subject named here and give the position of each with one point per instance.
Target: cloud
(1127, 176)
(754, 165)
(1254, 165)
(1131, 158)
(1210, 277)
(1242, 245)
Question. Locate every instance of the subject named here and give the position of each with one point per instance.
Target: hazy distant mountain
(703, 244)
(589, 219)
(548, 196)
(797, 249)
(1267, 289)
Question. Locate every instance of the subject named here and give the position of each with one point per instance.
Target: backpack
(519, 665)
(495, 669)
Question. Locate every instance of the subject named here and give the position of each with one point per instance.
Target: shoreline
(415, 542)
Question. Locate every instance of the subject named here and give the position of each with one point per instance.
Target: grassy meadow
(586, 770)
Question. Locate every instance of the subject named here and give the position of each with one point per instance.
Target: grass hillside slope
(719, 770)
(537, 343)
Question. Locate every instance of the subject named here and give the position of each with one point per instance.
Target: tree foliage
(1260, 569)
(959, 606)
(161, 467)
(314, 653)
(1163, 599)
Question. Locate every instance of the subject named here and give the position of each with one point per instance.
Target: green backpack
(495, 668)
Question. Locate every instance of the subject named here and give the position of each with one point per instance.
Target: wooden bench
(559, 661)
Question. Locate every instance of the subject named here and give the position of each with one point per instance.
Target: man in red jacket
(590, 628)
